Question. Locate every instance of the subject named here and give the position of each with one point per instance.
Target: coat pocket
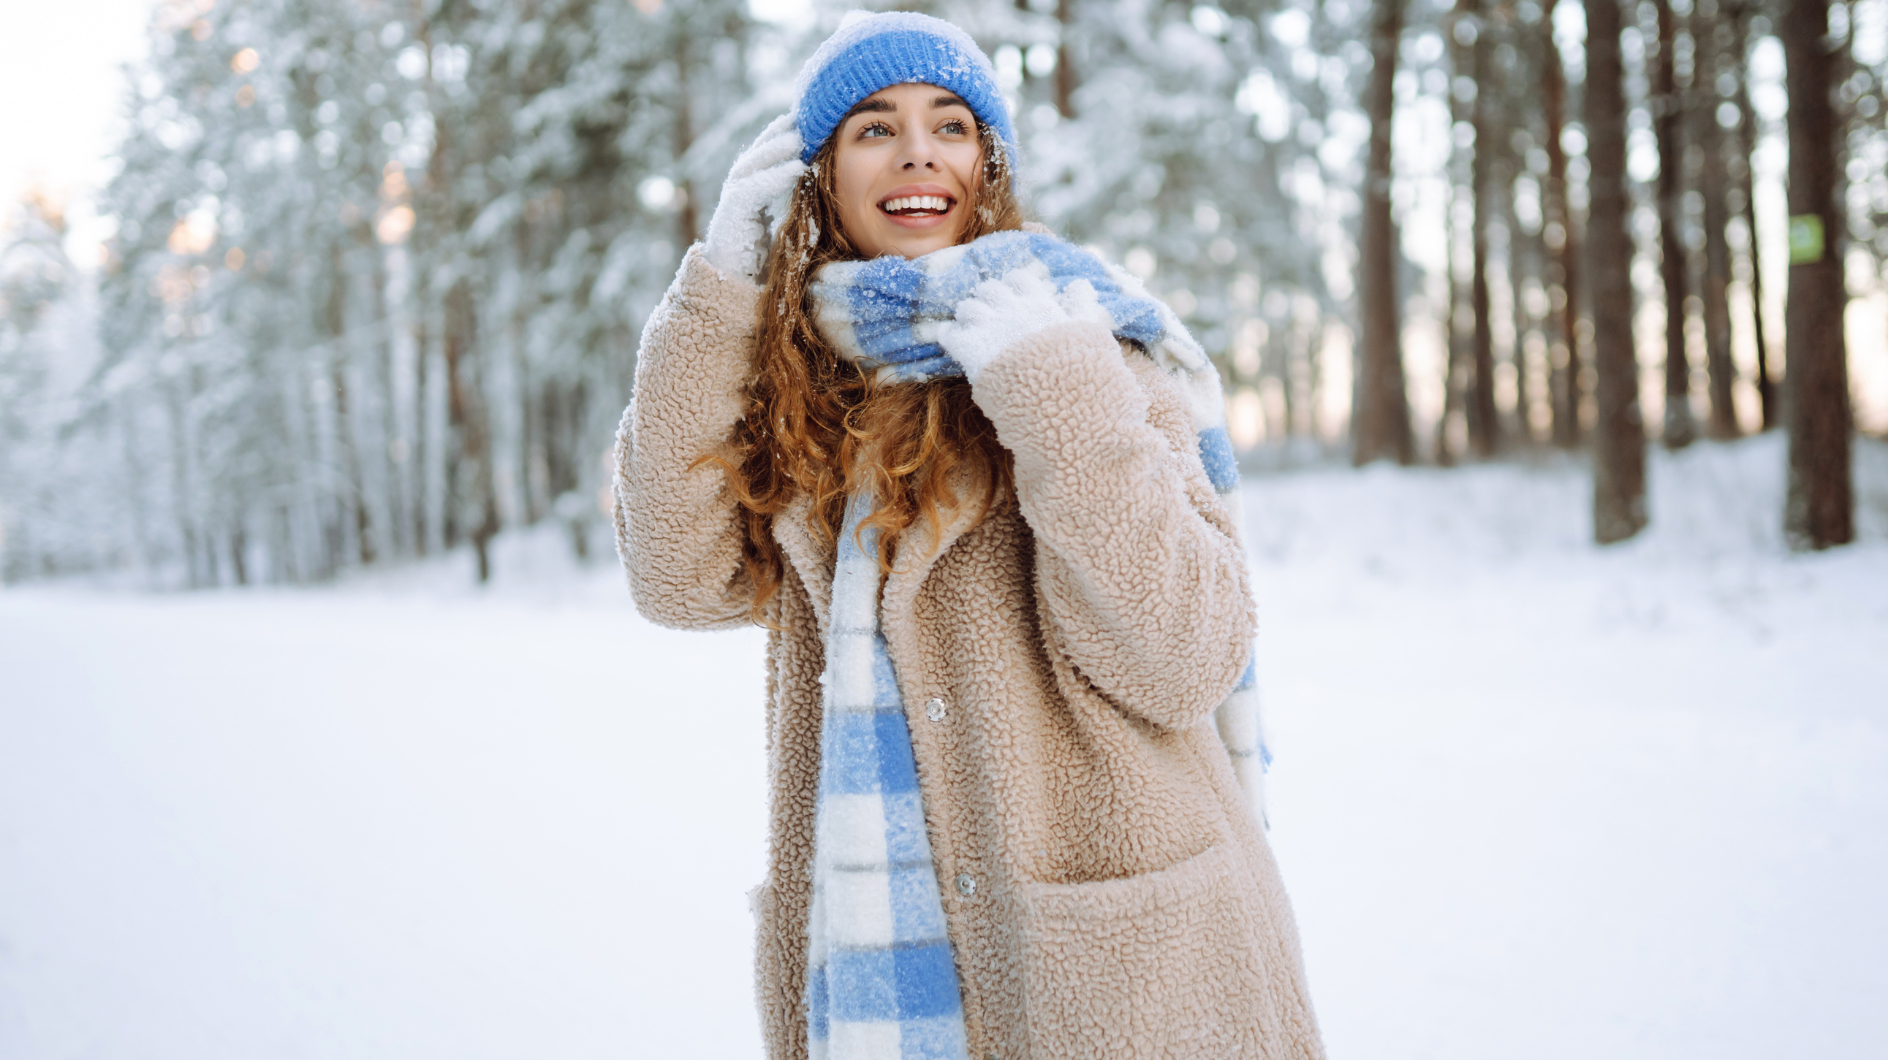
(1165, 964)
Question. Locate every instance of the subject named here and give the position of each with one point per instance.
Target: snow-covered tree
(379, 271)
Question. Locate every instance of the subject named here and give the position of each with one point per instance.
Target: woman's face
(906, 168)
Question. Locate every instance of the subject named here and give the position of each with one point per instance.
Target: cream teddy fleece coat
(1106, 891)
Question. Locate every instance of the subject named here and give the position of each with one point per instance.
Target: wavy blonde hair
(815, 423)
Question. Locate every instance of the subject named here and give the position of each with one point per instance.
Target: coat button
(934, 709)
(966, 884)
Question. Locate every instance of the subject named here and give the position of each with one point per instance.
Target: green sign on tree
(1806, 241)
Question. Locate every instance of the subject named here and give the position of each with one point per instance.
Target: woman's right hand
(1003, 311)
(760, 185)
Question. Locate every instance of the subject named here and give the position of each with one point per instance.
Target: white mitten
(760, 185)
(1080, 302)
(1002, 312)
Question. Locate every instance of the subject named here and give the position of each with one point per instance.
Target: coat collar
(902, 584)
(813, 558)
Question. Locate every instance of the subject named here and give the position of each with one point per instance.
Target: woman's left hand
(759, 188)
(1002, 312)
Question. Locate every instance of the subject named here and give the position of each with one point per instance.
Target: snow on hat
(871, 52)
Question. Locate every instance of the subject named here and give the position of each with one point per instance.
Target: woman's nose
(919, 151)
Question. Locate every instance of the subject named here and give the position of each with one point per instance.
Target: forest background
(337, 315)
(366, 277)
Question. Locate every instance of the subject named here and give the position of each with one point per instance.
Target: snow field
(357, 824)
(1532, 799)
(1537, 799)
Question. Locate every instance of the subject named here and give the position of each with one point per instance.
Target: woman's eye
(955, 127)
(875, 129)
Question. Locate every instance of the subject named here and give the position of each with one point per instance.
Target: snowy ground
(1532, 799)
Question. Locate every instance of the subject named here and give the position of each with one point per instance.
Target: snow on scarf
(881, 983)
(885, 313)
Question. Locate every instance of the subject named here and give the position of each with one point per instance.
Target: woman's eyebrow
(885, 106)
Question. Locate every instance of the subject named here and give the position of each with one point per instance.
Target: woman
(955, 468)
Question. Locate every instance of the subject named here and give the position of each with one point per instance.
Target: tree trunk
(1281, 362)
(353, 493)
(1709, 33)
(393, 491)
(417, 458)
(1523, 263)
(182, 500)
(1064, 68)
(1380, 426)
(321, 560)
(1668, 115)
(1767, 397)
(1484, 425)
(1559, 235)
(1457, 362)
(1820, 510)
(238, 549)
(528, 493)
(428, 198)
(1530, 254)
(1314, 380)
(472, 504)
(1454, 362)
(1619, 433)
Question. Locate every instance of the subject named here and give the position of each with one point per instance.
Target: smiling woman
(977, 486)
(902, 142)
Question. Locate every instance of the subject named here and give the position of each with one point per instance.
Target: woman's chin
(918, 244)
(911, 241)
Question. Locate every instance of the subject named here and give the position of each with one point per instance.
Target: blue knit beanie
(871, 52)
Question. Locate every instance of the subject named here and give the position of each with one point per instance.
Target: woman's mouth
(918, 207)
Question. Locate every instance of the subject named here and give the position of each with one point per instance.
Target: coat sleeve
(678, 530)
(1141, 573)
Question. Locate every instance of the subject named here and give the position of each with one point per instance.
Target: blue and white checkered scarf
(886, 311)
(881, 983)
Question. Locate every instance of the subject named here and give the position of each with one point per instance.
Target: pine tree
(1712, 34)
(1820, 509)
(1181, 142)
(1484, 423)
(379, 270)
(1619, 431)
(1769, 400)
(1568, 387)
(1380, 424)
(1668, 123)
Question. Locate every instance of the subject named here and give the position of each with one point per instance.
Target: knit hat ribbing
(871, 52)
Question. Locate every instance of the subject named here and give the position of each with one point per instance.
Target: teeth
(916, 202)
